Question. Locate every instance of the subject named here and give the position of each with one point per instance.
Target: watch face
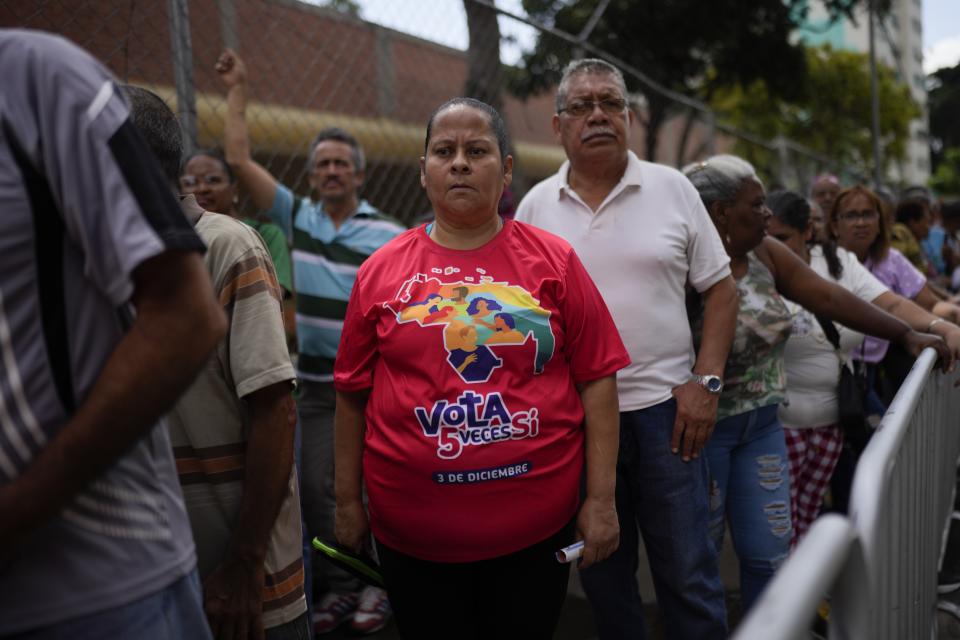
(714, 385)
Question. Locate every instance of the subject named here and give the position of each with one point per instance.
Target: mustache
(600, 131)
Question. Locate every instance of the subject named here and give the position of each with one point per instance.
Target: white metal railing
(880, 565)
(789, 603)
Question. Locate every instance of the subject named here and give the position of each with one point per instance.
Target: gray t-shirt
(83, 204)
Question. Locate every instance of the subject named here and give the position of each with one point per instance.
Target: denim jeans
(750, 475)
(665, 500)
(315, 407)
(173, 612)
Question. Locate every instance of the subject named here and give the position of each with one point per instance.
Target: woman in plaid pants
(810, 414)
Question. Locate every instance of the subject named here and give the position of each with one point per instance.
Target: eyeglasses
(211, 180)
(580, 108)
(856, 216)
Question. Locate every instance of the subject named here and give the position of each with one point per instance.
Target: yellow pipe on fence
(289, 131)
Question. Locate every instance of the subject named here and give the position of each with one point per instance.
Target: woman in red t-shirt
(475, 377)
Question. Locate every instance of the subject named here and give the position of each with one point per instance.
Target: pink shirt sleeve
(592, 344)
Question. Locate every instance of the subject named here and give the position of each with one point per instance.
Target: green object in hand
(359, 565)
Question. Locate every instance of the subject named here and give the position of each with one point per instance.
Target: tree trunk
(485, 79)
(685, 137)
(484, 72)
(656, 116)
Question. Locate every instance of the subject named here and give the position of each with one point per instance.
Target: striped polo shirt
(210, 424)
(325, 263)
(84, 204)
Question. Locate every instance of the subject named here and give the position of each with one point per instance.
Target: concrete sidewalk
(576, 619)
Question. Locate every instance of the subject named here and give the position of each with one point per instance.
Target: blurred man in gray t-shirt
(106, 315)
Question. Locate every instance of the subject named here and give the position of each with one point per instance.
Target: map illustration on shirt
(476, 316)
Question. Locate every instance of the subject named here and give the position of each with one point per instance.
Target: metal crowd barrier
(879, 565)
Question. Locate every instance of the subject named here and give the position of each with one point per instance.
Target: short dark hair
(215, 154)
(911, 210)
(793, 210)
(159, 127)
(790, 208)
(339, 135)
(497, 124)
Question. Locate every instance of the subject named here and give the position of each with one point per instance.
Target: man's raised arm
(253, 176)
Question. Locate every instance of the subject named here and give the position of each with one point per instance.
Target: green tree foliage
(674, 42)
(946, 179)
(350, 7)
(944, 104)
(690, 46)
(833, 113)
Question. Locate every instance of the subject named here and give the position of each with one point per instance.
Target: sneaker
(333, 610)
(372, 613)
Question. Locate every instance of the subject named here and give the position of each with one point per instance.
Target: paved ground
(576, 619)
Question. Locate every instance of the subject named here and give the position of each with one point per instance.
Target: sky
(444, 21)
(941, 34)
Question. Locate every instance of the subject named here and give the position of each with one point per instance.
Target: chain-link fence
(312, 66)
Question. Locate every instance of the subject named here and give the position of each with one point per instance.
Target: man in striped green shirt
(331, 234)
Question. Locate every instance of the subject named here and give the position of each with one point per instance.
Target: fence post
(783, 159)
(227, 9)
(182, 54)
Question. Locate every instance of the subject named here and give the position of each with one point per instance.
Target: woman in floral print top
(747, 452)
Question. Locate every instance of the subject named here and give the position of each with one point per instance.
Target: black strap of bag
(830, 330)
(851, 392)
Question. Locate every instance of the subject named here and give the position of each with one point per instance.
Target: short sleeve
(909, 279)
(249, 292)
(592, 344)
(358, 352)
(74, 134)
(858, 280)
(708, 260)
(281, 213)
(277, 245)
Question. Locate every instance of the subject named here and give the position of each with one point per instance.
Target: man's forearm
(719, 323)
(267, 467)
(178, 323)
(349, 427)
(601, 410)
(236, 138)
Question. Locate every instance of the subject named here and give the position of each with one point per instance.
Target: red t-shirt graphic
(474, 439)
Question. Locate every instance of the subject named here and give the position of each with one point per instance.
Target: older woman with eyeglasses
(857, 224)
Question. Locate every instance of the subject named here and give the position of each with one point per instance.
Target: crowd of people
(640, 353)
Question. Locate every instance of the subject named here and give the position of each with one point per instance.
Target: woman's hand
(350, 525)
(915, 342)
(598, 527)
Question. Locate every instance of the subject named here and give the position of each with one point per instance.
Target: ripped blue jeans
(750, 485)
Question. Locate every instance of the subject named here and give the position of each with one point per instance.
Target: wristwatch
(713, 384)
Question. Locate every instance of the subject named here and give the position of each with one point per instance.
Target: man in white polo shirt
(644, 236)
